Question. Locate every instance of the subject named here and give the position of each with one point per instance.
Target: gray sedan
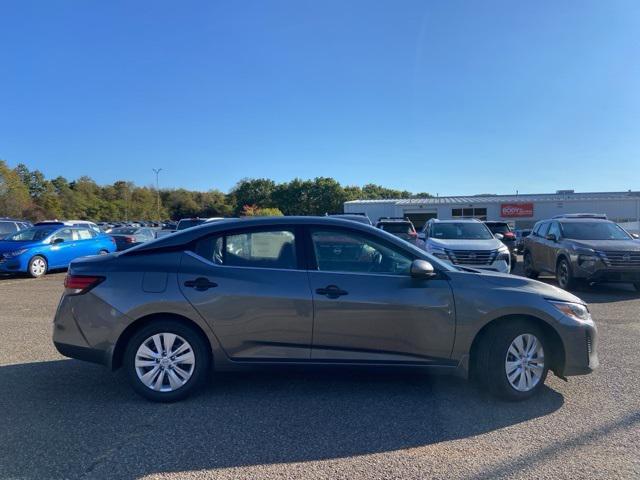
(315, 291)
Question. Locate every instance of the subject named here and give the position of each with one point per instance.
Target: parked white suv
(466, 243)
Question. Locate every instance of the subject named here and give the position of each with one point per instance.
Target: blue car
(39, 249)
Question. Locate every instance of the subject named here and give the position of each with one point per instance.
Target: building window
(479, 213)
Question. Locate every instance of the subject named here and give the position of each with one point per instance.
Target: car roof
(193, 233)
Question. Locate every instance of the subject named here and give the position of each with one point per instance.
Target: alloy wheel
(563, 274)
(524, 362)
(164, 362)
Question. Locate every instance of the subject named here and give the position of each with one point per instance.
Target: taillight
(509, 235)
(79, 284)
(130, 239)
(413, 234)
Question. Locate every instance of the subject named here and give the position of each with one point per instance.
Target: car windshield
(7, 227)
(593, 231)
(182, 224)
(32, 234)
(498, 227)
(123, 231)
(460, 231)
(398, 227)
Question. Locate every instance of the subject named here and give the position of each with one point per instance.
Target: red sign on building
(516, 210)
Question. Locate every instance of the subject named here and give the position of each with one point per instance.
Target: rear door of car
(537, 246)
(86, 243)
(367, 307)
(251, 286)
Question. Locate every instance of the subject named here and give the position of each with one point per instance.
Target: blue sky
(442, 96)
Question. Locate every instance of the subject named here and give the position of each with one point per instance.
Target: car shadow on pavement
(70, 419)
(600, 292)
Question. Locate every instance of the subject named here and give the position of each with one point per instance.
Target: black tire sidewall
(496, 352)
(199, 345)
(46, 266)
(570, 279)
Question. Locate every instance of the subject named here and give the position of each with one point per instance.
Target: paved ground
(67, 419)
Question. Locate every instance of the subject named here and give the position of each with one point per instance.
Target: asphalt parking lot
(63, 418)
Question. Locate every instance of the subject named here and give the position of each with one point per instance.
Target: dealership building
(521, 211)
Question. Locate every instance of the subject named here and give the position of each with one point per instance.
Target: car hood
(489, 244)
(6, 246)
(609, 245)
(514, 282)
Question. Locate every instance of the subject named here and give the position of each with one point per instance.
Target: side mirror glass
(635, 235)
(422, 269)
(552, 237)
(58, 240)
(499, 236)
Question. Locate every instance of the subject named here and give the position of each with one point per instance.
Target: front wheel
(167, 360)
(511, 360)
(564, 275)
(37, 266)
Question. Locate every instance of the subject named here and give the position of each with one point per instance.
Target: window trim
(312, 263)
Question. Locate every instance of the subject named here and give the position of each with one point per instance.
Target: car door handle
(201, 284)
(331, 291)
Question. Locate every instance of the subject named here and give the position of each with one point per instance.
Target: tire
(37, 266)
(527, 266)
(179, 379)
(564, 275)
(494, 373)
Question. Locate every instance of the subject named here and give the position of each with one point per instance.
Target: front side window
(351, 252)
(555, 229)
(64, 234)
(258, 249)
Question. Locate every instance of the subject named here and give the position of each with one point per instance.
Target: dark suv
(578, 248)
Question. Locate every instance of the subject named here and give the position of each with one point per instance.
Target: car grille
(620, 259)
(472, 257)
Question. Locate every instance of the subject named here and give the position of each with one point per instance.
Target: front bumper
(601, 273)
(13, 264)
(580, 341)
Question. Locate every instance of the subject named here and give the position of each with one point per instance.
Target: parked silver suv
(310, 290)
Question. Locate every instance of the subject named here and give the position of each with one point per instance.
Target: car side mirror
(499, 236)
(552, 237)
(422, 269)
(635, 235)
(58, 240)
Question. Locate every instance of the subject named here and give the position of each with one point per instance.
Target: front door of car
(538, 247)
(367, 308)
(552, 246)
(251, 287)
(61, 248)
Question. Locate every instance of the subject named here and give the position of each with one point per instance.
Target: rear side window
(257, 249)
(84, 234)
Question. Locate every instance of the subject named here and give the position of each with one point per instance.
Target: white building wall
(618, 210)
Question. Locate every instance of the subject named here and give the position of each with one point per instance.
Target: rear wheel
(37, 266)
(166, 361)
(511, 360)
(527, 266)
(564, 275)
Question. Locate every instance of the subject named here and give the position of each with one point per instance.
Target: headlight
(503, 249)
(577, 311)
(15, 253)
(582, 250)
(438, 252)
(587, 260)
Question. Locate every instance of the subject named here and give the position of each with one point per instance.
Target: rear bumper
(82, 353)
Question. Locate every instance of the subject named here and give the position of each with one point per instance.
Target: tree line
(28, 194)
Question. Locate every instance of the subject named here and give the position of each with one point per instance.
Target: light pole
(157, 172)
